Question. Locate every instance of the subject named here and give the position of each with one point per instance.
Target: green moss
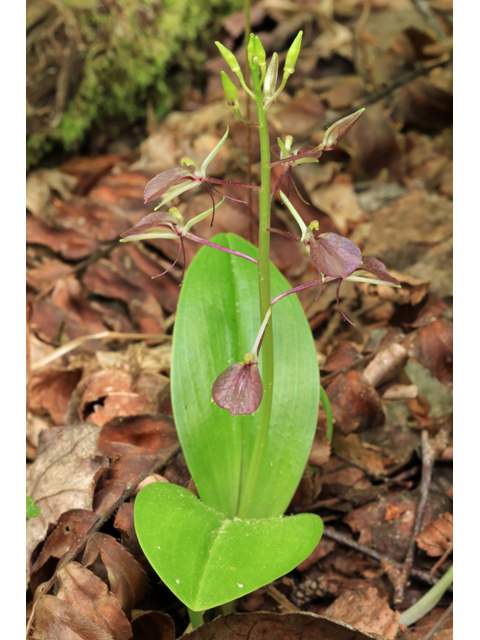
(133, 53)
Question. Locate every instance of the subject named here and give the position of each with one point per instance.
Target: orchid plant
(246, 419)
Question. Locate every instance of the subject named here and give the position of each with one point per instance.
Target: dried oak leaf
(437, 537)
(56, 620)
(128, 581)
(356, 405)
(62, 477)
(367, 611)
(90, 597)
(277, 626)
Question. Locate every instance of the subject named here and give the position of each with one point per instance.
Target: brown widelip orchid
(335, 257)
(171, 225)
(172, 183)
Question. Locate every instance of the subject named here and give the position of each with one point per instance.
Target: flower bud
(271, 78)
(229, 58)
(231, 92)
(292, 54)
(335, 133)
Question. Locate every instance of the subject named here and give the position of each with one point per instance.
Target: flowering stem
(248, 489)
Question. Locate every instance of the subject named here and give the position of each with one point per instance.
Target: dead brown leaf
(356, 405)
(89, 596)
(276, 626)
(56, 620)
(152, 625)
(366, 611)
(128, 581)
(50, 392)
(432, 347)
(437, 537)
(62, 477)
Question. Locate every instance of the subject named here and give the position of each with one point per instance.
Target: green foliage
(32, 510)
(133, 52)
(217, 321)
(207, 559)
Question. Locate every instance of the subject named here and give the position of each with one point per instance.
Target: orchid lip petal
(239, 389)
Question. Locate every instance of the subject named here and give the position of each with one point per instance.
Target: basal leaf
(217, 321)
(207, 559)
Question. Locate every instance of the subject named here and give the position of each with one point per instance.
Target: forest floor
(99, 336)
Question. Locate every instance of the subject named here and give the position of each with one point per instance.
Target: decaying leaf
(63, 476)
(277, 626)
(89, 596)
(437, 537)
(56, 620)
(128, 581)
(367, 611)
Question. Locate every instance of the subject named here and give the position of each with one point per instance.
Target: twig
(428, 460)
(330, 533)
(159, 463)
(109, 335)
(439, 623)
(425, 11)
(280, 598)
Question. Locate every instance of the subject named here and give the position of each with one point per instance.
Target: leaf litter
(99, 413)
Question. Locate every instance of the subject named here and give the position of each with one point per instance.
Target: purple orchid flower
(171, 225)
(239, 389)
(336, 258)
(174, 182)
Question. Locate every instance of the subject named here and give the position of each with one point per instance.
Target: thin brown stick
(282, 600)
(331, 534)
(159, 463)
(109, 335)
(428, 460)
(439, 623)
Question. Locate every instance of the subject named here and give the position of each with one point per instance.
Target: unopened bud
(292, 54)
(229, 58)
(271, 78)
(231, 92)
(335, 133)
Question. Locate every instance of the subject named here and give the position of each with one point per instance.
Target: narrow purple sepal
(207, 243)
(151, 222)
(163, 181)
(372, 265)
(239, 389)
(334, 255)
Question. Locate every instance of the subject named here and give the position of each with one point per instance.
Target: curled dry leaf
(432, 347)
(72, 527)
(437, 537)
(128, 581)
(89, 596)
(63, 476)
(276, 626)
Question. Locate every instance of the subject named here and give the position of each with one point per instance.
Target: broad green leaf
(32, 510)
(207, 559)
(217, 321)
